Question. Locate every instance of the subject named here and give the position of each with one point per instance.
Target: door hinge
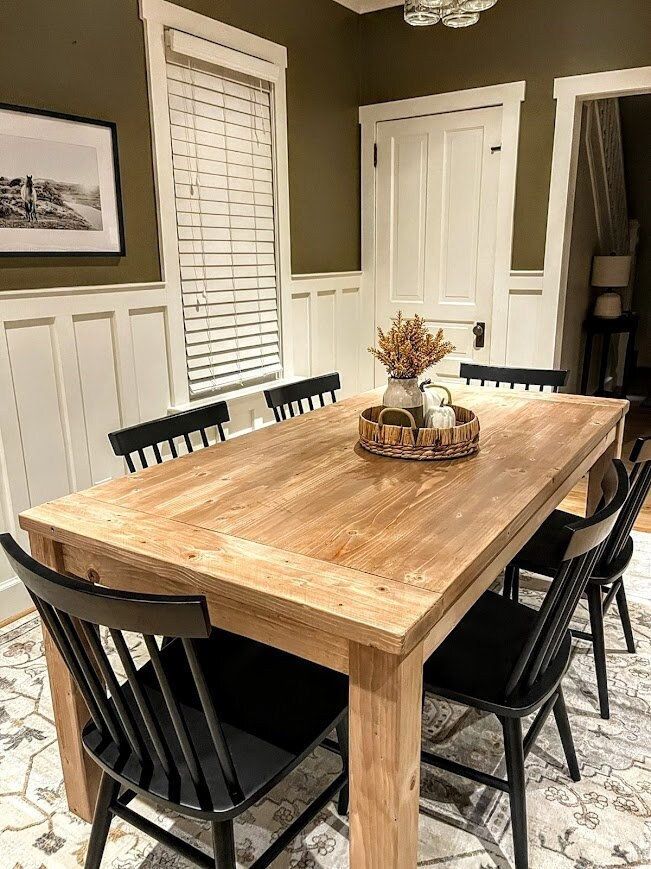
(495, 148)
(375, 155)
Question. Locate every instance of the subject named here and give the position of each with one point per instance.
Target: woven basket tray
(419, 444)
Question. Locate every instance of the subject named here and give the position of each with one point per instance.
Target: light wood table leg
(598, 470)
(81, 774)
(385, 737)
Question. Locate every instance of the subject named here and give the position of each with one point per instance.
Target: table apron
(265, 626)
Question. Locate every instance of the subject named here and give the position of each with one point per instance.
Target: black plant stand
(624, 325)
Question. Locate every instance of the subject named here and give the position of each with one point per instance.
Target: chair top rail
(524, 376)
(156, 431)
(311, 386)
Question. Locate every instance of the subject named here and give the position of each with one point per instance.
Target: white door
(436, 206)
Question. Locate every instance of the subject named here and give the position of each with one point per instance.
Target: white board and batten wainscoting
(76, 363)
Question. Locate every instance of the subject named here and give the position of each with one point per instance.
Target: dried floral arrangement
(409, 348)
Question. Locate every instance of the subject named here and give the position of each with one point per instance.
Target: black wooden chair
(507, 659)
(206, 728)
(526, 377)
(281, 399)
(541, 555)
(156, 432)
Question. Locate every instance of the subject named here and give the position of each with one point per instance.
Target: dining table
(302, 540)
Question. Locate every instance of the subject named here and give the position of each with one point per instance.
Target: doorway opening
(592, 208)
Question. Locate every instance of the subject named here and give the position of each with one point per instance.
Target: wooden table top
(296, 515)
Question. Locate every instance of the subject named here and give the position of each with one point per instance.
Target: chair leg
(512, 582)
(106, 796)
(514, 751)
(223, 840)
(342, 738)
(595, 605)
(508, 580)
(563, 724)
(622, 606)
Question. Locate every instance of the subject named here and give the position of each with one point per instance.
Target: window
(222, 134)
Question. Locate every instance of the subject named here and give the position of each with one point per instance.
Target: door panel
(408, 203)
(460, 206)
(436, 204)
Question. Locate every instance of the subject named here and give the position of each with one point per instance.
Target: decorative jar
(404, 392)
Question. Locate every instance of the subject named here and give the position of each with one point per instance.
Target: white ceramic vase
(405, 393)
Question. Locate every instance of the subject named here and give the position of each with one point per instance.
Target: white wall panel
(40, 408)
(96, 358)
(150, 361)
(329, 324)
(523, 319)
(301, 344)
(324, 358)
(349, 334)
(524, 312)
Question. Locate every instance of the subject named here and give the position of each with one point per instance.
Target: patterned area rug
(600, 823)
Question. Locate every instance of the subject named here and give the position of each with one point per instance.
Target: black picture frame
(97, 122)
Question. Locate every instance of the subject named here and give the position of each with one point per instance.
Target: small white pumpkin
(436, 411)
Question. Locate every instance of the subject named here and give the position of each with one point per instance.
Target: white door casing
(570, 93)
(436, 205)
(507, 98)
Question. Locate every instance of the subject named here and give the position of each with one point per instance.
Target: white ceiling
(362, 6)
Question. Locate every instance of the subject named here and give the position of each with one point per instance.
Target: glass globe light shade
(477, 5)
(458, 18)
(421, 13)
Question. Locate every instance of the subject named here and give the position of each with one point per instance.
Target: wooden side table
(624, 325)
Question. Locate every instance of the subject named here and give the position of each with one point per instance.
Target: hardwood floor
(638, 422)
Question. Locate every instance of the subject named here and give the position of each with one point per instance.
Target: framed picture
(59, 185)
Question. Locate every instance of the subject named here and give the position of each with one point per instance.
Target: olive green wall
(86, 57)
(534, 40)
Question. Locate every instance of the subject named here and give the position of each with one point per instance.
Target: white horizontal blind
(222, 146)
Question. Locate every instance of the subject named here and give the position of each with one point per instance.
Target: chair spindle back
(585, 540)
(281, 399)
(526, 377)
(640, 485)
(74, 611)
(168, 430)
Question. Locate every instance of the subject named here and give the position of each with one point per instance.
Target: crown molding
(363, 6)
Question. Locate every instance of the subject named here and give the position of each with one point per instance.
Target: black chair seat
(544, 551)
(274, 709)
(474, 663)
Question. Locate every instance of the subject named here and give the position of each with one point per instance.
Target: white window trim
(570, 93)
(510, 96)
(157, 16)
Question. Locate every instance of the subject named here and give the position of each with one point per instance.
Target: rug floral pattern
(602, 822)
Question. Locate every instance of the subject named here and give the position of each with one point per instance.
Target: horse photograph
(48, 184)
(59, 184)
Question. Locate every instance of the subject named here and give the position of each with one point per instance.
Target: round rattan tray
(419, 444)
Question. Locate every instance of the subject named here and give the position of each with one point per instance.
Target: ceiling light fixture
(453, 13)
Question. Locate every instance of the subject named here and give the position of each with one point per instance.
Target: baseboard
(14, 599)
